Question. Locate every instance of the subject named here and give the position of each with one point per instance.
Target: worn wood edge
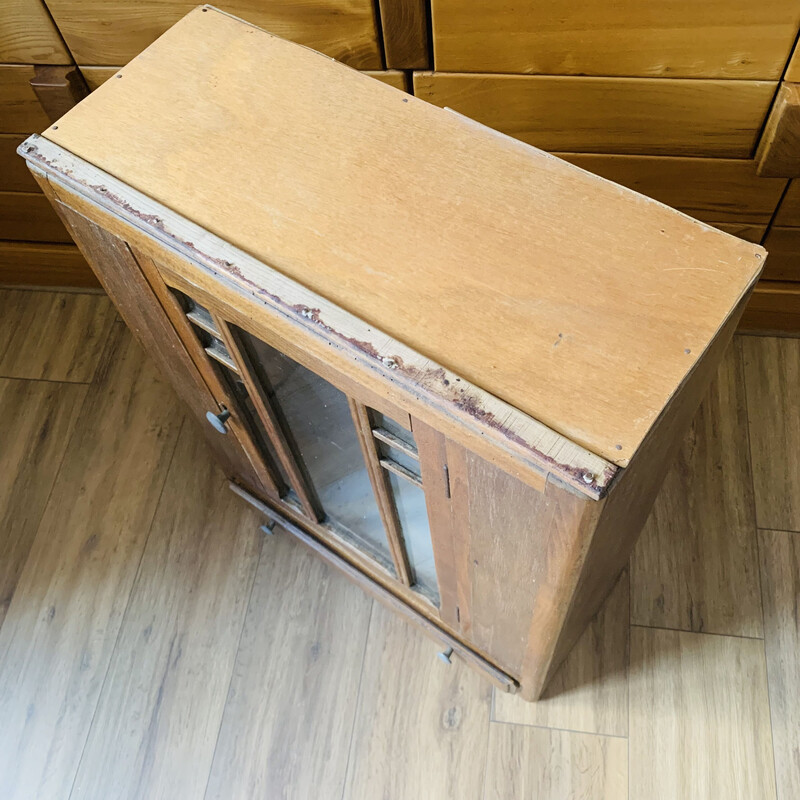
(499, 678)
(522, 437)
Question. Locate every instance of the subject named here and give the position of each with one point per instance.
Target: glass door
(360, 467)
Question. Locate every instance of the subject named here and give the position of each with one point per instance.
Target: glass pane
(259, 435)
(318, 417)
(413, 514)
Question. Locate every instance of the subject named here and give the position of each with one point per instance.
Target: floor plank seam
(755, 506)
(43, 380)
(702, 633)
(553, 728)
(127, 607)
(233, 666)
(52, 486)
(358, 700)
(766, 662)
(488, 741)
(778, 530)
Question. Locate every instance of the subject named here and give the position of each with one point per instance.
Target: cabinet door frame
(361, 400)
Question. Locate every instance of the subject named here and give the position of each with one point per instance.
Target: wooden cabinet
(452, 365)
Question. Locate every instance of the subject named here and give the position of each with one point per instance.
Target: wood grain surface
(720, 38)
(777, 153)
(783, 245)
(699, 717)
(56, 336)
(780, 574)
(189, 598)
(772, 370)
(29, 217)
(60, 629)
(590, 690)
(28, 35)
(295, 682)
(694, 566)
(439, 720)
(97, 76)
(22, 112)
(543, 284)
(113, 33)
(525, 762)
(14, 173)
(40, 417)
(37, 264)
(712, 189)
(774, 307)
(662, 116)
(788, 213)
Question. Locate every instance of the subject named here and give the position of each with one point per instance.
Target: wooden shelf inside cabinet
(461, 363)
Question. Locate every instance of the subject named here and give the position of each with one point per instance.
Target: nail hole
(55, 127)
(619, 447)
(687, 351)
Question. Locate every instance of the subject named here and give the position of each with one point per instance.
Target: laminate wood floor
(154, 644)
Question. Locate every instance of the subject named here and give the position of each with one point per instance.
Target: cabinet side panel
(630, 500)
(119, 273)
(518, 552)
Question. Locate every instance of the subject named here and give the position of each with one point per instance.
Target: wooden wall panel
(620, 115)
(405, 33)
(774, 307)
(711, 189)
(20, 111)
(96, 76)
(783, 261)
(14, 173)
(34, 264)
(744, 230)
(793, 67)
(789, 210)
(30, 218)
(28, 36)
(778, 153)
(673, 38)
(99, 32)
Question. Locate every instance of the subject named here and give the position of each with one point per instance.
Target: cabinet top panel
(579, 302)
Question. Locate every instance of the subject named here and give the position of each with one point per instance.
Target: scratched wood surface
(140, 595)
(649, 318)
